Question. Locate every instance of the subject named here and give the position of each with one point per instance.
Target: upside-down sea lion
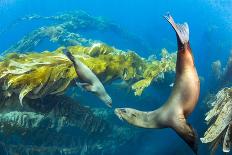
(88, 80)
(182, 100)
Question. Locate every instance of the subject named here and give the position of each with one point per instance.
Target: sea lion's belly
(188, 88)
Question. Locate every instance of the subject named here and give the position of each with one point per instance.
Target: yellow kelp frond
(141, 85)
(154, 69)
(220, 118)
(35, 75)
(110, 63)
(30, 74)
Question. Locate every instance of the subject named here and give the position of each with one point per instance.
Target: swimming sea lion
(182, 100)
(89, 80)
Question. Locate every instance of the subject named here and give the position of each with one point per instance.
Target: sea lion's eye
(123, 110)
(134, 115)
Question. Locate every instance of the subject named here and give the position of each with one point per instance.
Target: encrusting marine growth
(35, 75)
(58, 125)
(219, 119)
(67, 30)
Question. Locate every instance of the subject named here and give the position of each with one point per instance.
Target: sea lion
(88, 80)
(182, 100)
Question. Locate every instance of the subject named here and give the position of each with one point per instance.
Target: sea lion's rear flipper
(182, 30)
(188, 134)
(68, 54)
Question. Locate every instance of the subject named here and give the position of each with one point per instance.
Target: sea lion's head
(132, 116)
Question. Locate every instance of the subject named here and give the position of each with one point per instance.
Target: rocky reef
(58, 125)
(219, 119)
(36, 75)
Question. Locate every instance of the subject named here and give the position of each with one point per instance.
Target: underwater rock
(220, 120)
(59, 125)
(36, 75)
(55, 113)
(66, 29)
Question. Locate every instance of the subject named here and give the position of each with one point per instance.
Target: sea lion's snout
(107, 100)
(119, 112)
(127, 114)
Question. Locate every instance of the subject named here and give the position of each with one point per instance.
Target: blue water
(210, 37)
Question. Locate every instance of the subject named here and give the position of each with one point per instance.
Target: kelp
(68, 29)
(154, 69)
(223, 74)
(59, 125)
(39, 74)
(55, 34)
(220, 120)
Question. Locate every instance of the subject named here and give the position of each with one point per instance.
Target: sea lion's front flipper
(137, 118)
(188, 134)
(84, 86)
(182, 30)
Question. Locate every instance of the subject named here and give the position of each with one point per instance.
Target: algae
(154, 69)
(35, 75)
(219, 119)
(47, 127)
(67, 30)
(223, 74)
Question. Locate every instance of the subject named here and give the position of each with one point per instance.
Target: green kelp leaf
(223, 120)
(228, 139)
(139, 86)
(24, 92)
(220, 120)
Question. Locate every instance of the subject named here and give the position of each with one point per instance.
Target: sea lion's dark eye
(123, 110)
(134, 115)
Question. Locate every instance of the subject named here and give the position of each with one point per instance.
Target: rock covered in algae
(59, 126)
(220, 120)
(39, 74)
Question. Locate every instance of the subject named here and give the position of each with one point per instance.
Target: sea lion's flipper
(188, 134)
(182, 30)
(69, 55)
(84, 86)
(137, 118)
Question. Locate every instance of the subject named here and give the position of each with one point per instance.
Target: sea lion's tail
(182, 30)
(188, 134)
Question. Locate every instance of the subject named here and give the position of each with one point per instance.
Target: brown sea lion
(182, 100)
(88, 80)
